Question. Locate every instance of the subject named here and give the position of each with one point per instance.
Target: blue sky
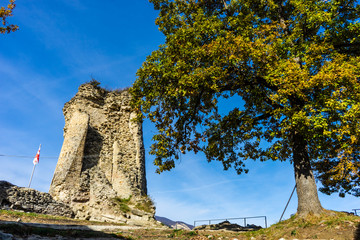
(62, 44)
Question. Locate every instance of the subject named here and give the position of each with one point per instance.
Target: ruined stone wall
(29, 200)
(102, 157)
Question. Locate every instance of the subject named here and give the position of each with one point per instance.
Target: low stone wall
(29, 200)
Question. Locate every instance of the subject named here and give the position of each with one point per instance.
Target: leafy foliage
(146, 204)
(5, 13)
(123, 203)
(295, 64)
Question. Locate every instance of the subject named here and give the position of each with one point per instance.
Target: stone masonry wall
(29, 200)
(102, 157)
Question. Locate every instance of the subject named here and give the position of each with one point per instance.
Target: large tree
(6, 12)
(295, 64)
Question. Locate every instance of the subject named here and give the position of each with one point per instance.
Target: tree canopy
(295, 64)
(5, 27)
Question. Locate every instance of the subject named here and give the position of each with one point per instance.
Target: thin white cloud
(29, 84)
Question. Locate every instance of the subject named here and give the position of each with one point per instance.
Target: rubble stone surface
(30, 200)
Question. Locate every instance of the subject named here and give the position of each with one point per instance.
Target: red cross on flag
(37, 157)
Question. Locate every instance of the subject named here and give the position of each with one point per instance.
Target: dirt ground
(337, 226)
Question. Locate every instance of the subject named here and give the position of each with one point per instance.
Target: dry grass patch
(329, 225)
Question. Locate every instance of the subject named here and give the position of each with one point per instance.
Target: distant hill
(174, 224)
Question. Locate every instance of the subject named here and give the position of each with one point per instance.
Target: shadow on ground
(52, 230)
(357, 233)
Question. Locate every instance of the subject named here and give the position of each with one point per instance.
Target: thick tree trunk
(308, 200)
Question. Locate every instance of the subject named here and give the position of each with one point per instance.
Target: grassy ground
(331, 225)
(6, 215)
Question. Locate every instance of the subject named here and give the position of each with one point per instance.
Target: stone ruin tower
(102, 159)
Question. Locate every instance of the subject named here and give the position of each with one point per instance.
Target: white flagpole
(35, 161)
(32, 175)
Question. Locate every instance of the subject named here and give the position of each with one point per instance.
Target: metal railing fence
(355, 210)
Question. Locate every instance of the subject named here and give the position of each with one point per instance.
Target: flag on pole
(37, 157)
(35, 161)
